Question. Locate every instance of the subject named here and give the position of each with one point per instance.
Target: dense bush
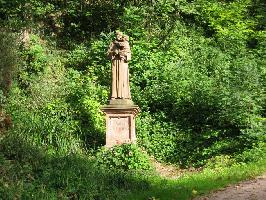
(52, 106)
(124, 157)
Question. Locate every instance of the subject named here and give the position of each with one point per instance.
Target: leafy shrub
(35, 56)
(85, 98)
(258, 152)
(125, 157)
(77, 58)
(158, 137)
(55, 107)
(37, 101)
(221, 161)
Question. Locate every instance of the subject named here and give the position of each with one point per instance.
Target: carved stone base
(120, 123)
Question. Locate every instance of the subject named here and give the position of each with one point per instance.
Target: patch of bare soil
(170, 171)
(166, 171)
(247, 190)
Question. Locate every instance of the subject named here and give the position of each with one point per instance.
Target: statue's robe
(120, 72)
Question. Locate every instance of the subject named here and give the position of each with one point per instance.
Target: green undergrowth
(197, 73)
(125, 157)
(29, 172)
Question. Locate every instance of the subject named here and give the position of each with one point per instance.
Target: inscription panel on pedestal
(119, 129)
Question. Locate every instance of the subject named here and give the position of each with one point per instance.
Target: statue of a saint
(121, 111)
(120, 54)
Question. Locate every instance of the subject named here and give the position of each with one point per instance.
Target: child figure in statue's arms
(120, 47)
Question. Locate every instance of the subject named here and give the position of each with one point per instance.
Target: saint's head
(119, 35)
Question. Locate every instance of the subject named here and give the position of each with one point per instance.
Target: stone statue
(120, 113)
(119, 52)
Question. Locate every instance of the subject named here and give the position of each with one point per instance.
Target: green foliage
(77, 58)
(36, 103)
(158, 137)
(205, 96)
(197, 73)
(69, 20)
(234, 21)
(255, 154)
(86, 98)
(27, 172)
(92, 60)
(8, 59)
(220, 162)
(124, 157)
(55, 107)
(13, 147)
(35, 56)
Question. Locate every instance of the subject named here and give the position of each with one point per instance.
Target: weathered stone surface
(121, 102)
(120, 124)
(120, 54)
(121, 111)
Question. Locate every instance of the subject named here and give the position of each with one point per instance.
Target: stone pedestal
(120, 123)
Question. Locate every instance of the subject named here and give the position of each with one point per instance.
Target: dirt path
(247, 190)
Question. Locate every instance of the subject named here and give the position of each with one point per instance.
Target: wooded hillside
(198, 73)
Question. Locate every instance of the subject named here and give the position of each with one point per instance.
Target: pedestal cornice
(121, 109)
